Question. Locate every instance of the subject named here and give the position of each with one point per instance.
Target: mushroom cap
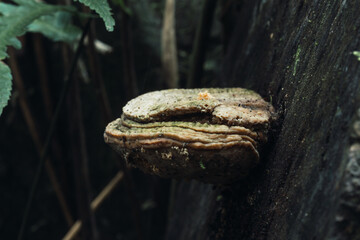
(229, 106)
(212, 134)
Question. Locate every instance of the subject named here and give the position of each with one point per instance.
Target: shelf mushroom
(210, 134)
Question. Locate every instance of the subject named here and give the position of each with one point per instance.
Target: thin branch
(29, 119)
(201, 38)
(81, 166)
(43, 74)
(95, 204)
(168, 46)
(128, 56)
(134, 202)
(51, 131)
(95, 69)
(130, 82)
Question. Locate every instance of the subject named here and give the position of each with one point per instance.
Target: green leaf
(103, 9)
(57, 27)
(25, 2)
(6, 9)
(356, 54)
(14, 20)
(202, 165)
(5, 85)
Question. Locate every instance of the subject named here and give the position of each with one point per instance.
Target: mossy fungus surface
(210, 134)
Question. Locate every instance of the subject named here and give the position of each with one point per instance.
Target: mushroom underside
(210, 166)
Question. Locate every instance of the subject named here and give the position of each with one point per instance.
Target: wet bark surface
(298, 55)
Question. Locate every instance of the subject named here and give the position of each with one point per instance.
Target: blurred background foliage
(139, 207)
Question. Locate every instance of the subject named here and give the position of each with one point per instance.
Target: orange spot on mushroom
(204, 95)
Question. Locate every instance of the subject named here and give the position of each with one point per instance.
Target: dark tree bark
(297, 54)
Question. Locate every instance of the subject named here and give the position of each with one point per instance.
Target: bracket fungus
(212, 135)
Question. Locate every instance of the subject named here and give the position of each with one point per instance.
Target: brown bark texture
(298, 55)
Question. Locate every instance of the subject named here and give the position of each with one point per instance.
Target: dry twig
(95, 204)
(168, 46)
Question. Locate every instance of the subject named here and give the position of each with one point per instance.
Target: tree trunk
(297, 54)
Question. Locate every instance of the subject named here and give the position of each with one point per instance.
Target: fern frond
(14, 22)
(103, 9)
(5, 85)
(57, 27)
